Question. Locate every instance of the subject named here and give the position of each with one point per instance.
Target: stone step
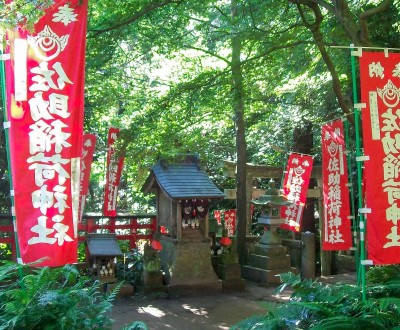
(269, 263)
(264, 275)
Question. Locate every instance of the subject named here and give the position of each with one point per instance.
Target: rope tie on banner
(362, 158)
(364, 210)
(6, 124)
(367, 262)
(360, 106)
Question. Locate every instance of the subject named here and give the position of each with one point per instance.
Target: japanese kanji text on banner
(113, 175)
(295, 188)
(45, 104)
(337, 224)
(380, 91)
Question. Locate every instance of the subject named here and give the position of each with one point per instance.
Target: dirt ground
(219, 311)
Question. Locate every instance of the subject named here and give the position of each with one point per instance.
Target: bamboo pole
(359, 182)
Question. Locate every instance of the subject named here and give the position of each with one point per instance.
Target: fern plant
(318, 306)
(51, 298)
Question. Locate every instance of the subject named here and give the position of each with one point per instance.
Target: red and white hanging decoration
(45, 105)
(337, 219)
(89, 145)
(380, 97)
(115, 164)
(295, 188)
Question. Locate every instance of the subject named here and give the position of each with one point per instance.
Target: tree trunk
(238, 107)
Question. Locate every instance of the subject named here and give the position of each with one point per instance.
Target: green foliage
(21, 13)
(51, 298)
(383, 274)
(314, 305)
(5, 252)
(137, 325)
(131, 268)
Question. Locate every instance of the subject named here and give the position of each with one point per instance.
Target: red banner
(45, 103)
(380, 91)
(230, 221)
(113, 176)
(89, 145)
(295, 187)
(336, 233)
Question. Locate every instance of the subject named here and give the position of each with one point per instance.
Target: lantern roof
(184, 180)
(272, 197)
(103, 245)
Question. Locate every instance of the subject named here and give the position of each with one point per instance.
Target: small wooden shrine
(184, 193)
(103, 249)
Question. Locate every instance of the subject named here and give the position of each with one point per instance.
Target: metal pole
(359, 181)
(4, 98)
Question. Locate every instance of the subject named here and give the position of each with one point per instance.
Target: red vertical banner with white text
(45, 105)
(115, 164)
(380, 92)
(337, 223)
(88, 147)
(295, 188)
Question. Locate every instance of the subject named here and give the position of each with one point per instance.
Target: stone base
(264, 262)
(269, 250)
(195, 289)
(186, 264)
(153, 283)
(228, 272)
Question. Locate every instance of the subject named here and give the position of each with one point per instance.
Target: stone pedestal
(153, 282)
(187, 268)
(229, 273)
(266, 263)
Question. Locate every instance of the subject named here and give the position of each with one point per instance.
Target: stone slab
(263, 275)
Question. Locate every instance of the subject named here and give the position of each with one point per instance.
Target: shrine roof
(182, 181)
(103, 245)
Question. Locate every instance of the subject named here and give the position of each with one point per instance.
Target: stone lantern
(271, 203)
(269, 257)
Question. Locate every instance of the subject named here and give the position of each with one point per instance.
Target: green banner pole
(354, 224)
(359, 179)
(4, 104)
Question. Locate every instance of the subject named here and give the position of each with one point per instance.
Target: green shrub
(51, 298)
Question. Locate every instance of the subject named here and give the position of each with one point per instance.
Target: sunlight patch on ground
(196, 311)
(151, 310)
